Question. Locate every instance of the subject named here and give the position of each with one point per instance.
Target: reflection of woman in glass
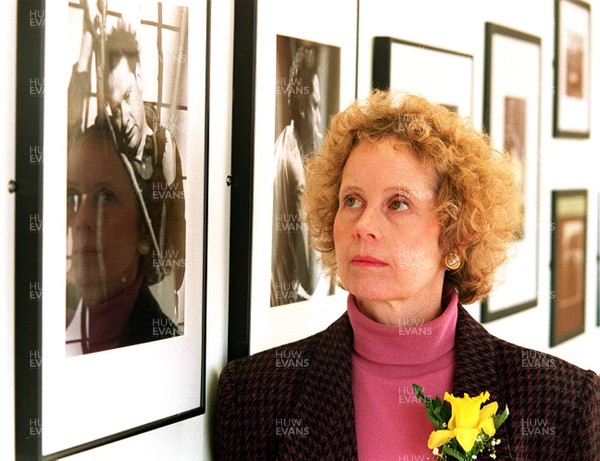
(109, 304)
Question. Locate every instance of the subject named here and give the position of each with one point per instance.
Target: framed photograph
(292, 72)
(572, 51)
(511, 116)
(415, 68)
(567, 303)
(113, 299)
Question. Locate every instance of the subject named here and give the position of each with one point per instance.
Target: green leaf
(437, 422)
(499, 419)
(418, 390)
(446, 413)
(455, 453)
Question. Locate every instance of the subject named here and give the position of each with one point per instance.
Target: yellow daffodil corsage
(463, 428)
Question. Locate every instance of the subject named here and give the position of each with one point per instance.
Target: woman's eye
(106, 196)
(352, 202)
(398, 205)
(73, 200)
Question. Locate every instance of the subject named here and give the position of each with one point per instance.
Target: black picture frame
(34, 238)
(28, 245)
(572, 74)
(255, 67)
(568, 264)
(424, 63)
(503, 87)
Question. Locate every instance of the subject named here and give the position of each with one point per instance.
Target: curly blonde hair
(476, 196)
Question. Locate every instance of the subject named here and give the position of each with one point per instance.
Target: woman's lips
(367, 261)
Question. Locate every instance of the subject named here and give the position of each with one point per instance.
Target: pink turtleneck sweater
(391, 422)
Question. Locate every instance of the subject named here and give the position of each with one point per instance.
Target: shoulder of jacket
(542, 370)
(302, 350)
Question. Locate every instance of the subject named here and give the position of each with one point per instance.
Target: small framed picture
(291, 74)
(415, 68)
(110, 278)
(572, 51)
(511, 116)
(569, 225)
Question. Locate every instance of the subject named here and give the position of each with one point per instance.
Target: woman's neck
(398, 312)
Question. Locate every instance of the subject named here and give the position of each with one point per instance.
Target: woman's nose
(368, 225)
(84, 213)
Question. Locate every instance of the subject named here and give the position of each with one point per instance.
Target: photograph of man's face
(307, 94)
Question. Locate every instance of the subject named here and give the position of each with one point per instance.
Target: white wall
(456, 25)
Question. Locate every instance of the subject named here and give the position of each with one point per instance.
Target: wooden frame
(568, 265)
(93, 410)
(511, 115)
(572, 63)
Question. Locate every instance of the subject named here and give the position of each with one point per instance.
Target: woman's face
(103, 223)
(385, 231)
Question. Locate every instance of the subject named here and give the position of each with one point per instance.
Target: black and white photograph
(126, 181)
(307, 89)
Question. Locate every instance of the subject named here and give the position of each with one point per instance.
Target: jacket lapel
(326, 407)
(475, 371)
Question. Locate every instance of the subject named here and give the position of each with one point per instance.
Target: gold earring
(143, 247)
(452, 261)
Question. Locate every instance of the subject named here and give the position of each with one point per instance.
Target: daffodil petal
(488, 411)
(482, 397)
(488, 426)
(451, 424)
(466, 437)
(439, 438)
(465, 410)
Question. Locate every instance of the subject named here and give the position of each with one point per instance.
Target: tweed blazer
(295, 401)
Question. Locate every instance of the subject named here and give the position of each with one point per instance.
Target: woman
(412, 211)
(110, 261)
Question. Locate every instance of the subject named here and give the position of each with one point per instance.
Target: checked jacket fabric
(554, 406)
